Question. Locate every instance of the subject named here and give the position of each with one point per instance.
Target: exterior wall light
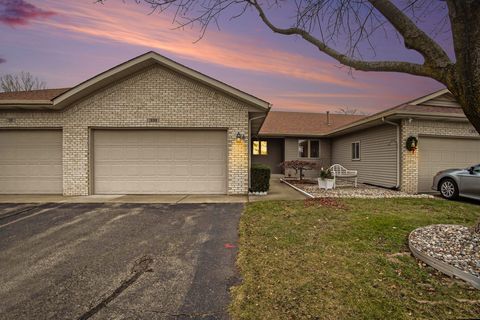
(240, 137)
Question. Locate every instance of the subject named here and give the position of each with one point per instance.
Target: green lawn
(347, 260)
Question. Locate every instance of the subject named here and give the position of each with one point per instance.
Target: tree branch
(393, 66)
(413, 36)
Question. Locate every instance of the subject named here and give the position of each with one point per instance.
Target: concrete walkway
(278, 191)
(154, 198)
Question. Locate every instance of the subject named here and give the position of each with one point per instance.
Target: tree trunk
(465, 82)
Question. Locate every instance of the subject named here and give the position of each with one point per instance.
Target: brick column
(237, 162)
(75, 161)
(409, 160)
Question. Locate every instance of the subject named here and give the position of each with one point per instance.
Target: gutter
(398, 148)
(30, 104)
(390, 113)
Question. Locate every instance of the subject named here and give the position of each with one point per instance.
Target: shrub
(326, 174)
(260, 178)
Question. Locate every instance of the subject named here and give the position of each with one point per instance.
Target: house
(149, 125)
(153, 126)
(375, 145)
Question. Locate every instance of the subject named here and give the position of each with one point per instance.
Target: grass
(349, 261)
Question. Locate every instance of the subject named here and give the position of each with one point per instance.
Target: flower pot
(325, 183)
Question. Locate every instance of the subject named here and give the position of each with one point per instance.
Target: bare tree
(326, 24)
(23, 81)
(350, 111)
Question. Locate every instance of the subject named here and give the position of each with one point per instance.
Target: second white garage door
(438, 154)
(160, 162)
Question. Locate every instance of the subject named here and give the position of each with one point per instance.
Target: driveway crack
(140, 266)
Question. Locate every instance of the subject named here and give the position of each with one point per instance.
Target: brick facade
(156, 92)
(416, 128)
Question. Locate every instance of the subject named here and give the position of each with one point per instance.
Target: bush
(326, 174)
(260, 178)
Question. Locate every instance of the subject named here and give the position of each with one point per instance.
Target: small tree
(350, 111)
(23, 81)
(299, 166)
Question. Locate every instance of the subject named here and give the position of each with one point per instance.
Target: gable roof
(439, 105)
(430, 97)
(49, 100)
(279, 123)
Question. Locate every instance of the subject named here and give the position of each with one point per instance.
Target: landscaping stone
(453, 244)
(362, 191)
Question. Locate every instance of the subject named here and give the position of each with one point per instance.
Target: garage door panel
(200, 153)
(163, 169)
(438, 153)
(159, 161)
(216, 153)
(216, 172)
(31, 162)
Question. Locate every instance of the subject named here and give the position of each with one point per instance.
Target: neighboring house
(375, 145)
(288, 136)
(149, 125)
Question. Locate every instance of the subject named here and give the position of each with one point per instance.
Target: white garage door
(30, 161)
(444, 153)
(160, 162)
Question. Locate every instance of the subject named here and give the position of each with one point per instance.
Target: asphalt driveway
(117, 261)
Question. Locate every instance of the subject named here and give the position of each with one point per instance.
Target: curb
(443, 266)
(298, 189)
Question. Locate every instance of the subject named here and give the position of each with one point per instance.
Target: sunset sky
(66, 42)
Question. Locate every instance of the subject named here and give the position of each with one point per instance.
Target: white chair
(339, 171)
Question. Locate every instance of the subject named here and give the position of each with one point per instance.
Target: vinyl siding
(378, 151)
(291, 153)
(445, 100)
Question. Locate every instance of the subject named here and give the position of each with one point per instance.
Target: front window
(314, 149)
(260, 148)
(308, 148)
(356, 151)
(303, 148)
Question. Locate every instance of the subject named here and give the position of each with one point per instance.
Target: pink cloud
(2, 60)
(127, 24)
(20, 12)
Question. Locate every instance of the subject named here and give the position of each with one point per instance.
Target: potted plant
(326, 180)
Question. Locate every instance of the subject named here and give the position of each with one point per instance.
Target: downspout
(398, 149)
(249, 146)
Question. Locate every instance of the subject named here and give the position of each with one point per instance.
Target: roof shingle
(302, 123)
(45, 94)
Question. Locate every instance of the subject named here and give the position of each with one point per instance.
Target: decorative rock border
(441, 265)
(363, 191)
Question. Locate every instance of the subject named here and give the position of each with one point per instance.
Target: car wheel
(448, 189)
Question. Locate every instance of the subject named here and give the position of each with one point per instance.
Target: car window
(476, 169)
